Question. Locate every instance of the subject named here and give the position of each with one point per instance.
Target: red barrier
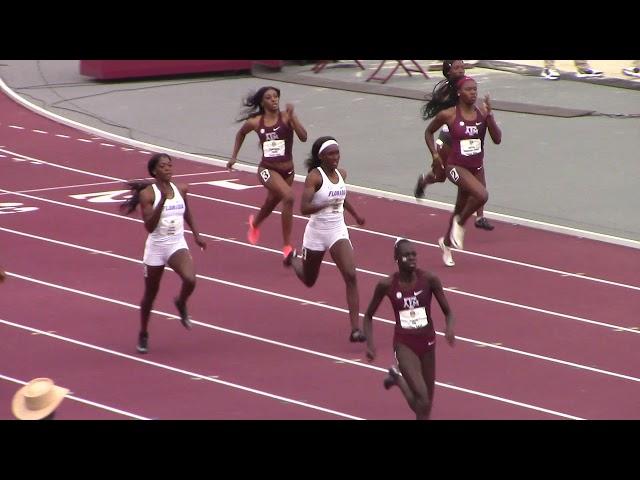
(112, 69)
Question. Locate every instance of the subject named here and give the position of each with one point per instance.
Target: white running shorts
(157, 254)
(322, 240)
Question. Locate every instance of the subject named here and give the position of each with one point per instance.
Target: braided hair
(136, 186)
(444, 93)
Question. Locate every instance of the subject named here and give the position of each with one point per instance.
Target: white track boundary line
(170, 368)
(456, 291)
(234, 332)
(355, 188)
(82, 400)
(63, 187)
(354, 228)
(329, 307)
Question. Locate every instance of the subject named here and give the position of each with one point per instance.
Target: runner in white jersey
(324, 200)
(164, 209)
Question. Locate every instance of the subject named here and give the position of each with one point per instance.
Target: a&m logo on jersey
(272, 136)
(411, 302)
(471, 130)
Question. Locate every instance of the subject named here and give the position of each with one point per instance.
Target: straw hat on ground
(37, 399)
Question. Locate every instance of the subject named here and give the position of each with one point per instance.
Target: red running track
(546, 323)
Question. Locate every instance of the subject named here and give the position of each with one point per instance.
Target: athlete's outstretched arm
(189, 218)
(367, 322)
(439, 120)
(311, 185)
(151, 216)
(246, 127)
(492, 126)
(296, 124)
(347, 206)
(438, 292)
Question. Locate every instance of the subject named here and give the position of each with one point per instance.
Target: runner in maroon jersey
(445, 95)
(468, 125)
(414, 339)
(275, 131)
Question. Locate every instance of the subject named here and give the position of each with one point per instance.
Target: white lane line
(371, 232)
(39, 131)
(461, 292)
(300, 178)
(107, 145)
(322, 304)
(16, 127)
(281, 344)
(84, 140)
(62, 187)
(182, 371)
(82, 400)
(62, 136)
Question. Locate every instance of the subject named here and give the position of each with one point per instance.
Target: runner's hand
(201, 243)
(487, 103)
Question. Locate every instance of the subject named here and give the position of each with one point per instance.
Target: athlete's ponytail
(444, 94)
(136, 186)
(253, 103)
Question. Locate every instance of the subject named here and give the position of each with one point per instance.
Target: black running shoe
(357, 336)
(391, 379)
(184, 316)
(484, 224)
(418, 192)
(143, 342)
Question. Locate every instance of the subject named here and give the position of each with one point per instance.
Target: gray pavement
(580, 172)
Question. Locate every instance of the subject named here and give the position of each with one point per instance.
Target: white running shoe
(550, 73)
(447, 258)
(457, 234)
(588, 73)
(632, 71)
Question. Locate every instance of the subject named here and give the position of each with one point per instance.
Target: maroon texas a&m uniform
(467, 140)
(412, 310)
(276, 143)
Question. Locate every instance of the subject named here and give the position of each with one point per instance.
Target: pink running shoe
(254, 233)
(288, 253)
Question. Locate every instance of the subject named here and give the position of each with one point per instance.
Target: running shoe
(418, 192)
(254, 233)
(483, 223)
(357, 336)
(391, 379)
(632, 71)
(184, 316)
(447, 258)
(550, 73)
(456, 237)
(143, 342)
(288, 252)
(588, 73)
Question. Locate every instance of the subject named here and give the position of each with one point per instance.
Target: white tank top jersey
(332, 195)
(170, 227)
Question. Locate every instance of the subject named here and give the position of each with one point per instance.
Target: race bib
(414, 318)
(170, 225)
(336, 206)
(472, 146)
(273, 148)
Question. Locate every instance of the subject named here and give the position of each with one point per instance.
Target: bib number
(169, 226)
(414, 318)
(471, 146)
(273, 148)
